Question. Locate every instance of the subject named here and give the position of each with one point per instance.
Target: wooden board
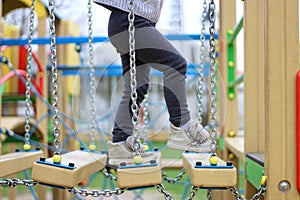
(134, 176)
(235, 145)
(207, 176)
(18, 161)
(85, 164)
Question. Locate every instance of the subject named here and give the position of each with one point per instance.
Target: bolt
(284, 186)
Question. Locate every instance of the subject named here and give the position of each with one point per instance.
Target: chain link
(145, 119)
(92, 75)
(53, 62)
(161, 188)
(133, 82)
(14, 182)
(262, 189)
(201, 67)
(193, 192)
(96, 193)
(208, 195)
(28, 74)
(109, 175)
(173, 180)
(213, 95)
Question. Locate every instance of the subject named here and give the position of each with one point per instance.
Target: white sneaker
(194, 138)
(120, 152)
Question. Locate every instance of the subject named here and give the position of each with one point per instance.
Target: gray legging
(152, 49)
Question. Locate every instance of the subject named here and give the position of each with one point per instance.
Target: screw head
(284, 186)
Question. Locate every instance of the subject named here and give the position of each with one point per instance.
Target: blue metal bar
(79, 40)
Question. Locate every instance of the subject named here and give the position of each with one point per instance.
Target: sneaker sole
(188, 148)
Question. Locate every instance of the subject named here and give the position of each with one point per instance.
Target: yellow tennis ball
(26, 147)
(146, 147)
(57, 158)
(213, 160)
(92, 147)
(137, 159)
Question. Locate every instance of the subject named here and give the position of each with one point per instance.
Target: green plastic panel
(254, 172)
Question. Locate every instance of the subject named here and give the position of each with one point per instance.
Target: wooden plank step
(205, 175)
(18, 161)
(142, 175)
(74, 167)
(235, 145)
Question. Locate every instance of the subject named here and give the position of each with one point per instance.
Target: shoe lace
(196, 134)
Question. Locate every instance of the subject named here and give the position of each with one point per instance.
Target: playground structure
(267, 145)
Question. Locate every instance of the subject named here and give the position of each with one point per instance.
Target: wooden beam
(134, 176)
(18, 161)
(64, 174)
(281, 51)
(206, 175)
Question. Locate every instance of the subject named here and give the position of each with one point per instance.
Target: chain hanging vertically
(213, 95)
(133, 82)
(28, 77)
(92, 78)
(145, 119)
(202, 61)
(54, 71)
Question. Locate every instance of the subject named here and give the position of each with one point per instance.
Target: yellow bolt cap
(92, 147)
(213, 160)
(57, 159)
(138, 159)
(26, 147)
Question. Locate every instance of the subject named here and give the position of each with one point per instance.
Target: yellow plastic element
(3, 130)
(146, 147)
(137, 159)
(263, 180)
(57, 159)
(231, 64)
(231, 134)
(230, 31)
(213, 160)
(92, 147)
(231, 156)
(112, 171)
(26, 147)
(231, 96)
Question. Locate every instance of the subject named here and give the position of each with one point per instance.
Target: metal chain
(109, 175)
(53, 62)
(96, 193)
(161, 188)
(213, 95)
(173, 180)
(208, 195)
(262, 189)
(28, 74)
(145, 119)
(14, 182)
(133, 82)
(193, 192)
(92, 75)
(236, 193)
(201, 67)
